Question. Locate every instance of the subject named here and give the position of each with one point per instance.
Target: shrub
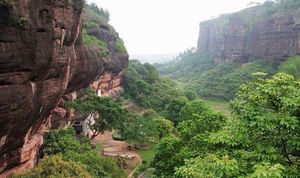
(99, 11)
(120, 46)
(56, 166)
(61, 141)
(90, 26)
(95, 164)
(64, 142)
(90, 40)
(291, 66)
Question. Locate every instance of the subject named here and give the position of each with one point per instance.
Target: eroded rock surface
(251, 34)
(42, 59)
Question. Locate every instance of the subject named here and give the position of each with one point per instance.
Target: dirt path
(118, 148)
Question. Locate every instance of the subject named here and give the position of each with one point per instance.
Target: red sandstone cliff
(43, 59)
(253, 33)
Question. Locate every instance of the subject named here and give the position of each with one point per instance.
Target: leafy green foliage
(56, 166)
(140, 169)
(120, 46)
(219, 105)
(150, 173)
(265, 170)
(95, 164)
(164, 127)
(270, 109)
(93, 13)
(261, 140)
(186, 65)
(210, 80)
(93, 18)
(291, 66)
(61, 141)
(174, 107)
(108, 114)
(140, 131)
(90, 40)
(208, 167)
(264, 132)
(133, 128)
(65, 144)
(194, 107)
(190, 94)
(165, 159)
(147, 154)
(197, 121)
(103, 13)
(143, 85)
(224, 80)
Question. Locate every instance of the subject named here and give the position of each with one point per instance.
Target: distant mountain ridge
(153, 58)
(231, 47)
(268, 31)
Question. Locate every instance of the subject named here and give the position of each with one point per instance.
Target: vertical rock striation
(42, 59)
(252, 34)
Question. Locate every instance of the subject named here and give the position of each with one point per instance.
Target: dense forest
(165, 108)
(199, 73)
(259, 139)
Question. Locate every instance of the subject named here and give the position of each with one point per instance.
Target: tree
(61, 141)
(266, 127)
(291, 66)
(260, 140)
(165, 160)
(140, 131)
(153, 74)
(271, 109)
(190, 94)
(100, 11)
(193, 107)
(164, 127)
(197, 122)
(69, 147)
(56, 166)
(107, 113)
(143, 86)
(208, 167)
(174, 107)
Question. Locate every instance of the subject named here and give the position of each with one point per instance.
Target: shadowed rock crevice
(42, 58)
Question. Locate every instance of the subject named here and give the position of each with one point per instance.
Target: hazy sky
(164, 26)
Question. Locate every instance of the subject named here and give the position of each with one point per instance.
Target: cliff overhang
(43, 59)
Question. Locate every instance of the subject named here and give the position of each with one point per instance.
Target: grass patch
(120, 46)
(90, 40)
(98, 147)
(219, 105)
(148, 154)
(291, 66)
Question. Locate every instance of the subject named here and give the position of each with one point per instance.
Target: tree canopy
(260, 140)
(108, 114)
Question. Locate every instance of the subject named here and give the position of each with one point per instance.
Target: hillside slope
(233, 46)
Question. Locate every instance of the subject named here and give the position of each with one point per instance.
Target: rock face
(108, 84)
(251, 34)
(42, 61)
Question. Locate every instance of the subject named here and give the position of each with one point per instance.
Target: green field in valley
(219, 105)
